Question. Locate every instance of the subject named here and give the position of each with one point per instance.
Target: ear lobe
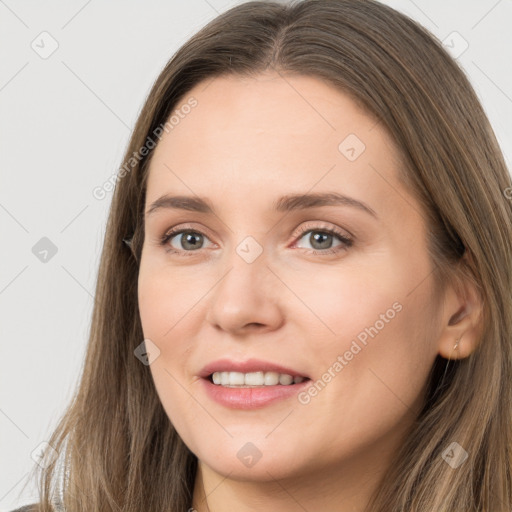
(462, 323)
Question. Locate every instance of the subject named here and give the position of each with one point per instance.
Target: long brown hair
(122, 452)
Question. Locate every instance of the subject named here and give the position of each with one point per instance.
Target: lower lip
(251, 398)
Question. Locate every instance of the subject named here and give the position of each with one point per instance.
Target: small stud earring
(457, 344)
(128, 242)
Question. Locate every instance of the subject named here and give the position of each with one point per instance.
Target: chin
(252, 461)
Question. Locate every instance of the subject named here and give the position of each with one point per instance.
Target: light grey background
(65, 122)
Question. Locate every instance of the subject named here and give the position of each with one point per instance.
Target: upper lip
(251, 365)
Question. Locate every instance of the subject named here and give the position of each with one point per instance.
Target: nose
(247, 299)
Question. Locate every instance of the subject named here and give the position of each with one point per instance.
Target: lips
(251, 365)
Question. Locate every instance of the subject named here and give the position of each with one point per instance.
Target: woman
(232, 367)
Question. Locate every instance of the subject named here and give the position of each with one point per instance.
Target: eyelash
(346, 241)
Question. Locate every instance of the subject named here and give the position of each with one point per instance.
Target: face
(340, 293)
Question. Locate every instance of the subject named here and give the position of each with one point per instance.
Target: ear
(462, 321)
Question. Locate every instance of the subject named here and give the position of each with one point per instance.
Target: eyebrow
(285, 203)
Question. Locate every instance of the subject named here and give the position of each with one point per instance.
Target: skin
(247, 142)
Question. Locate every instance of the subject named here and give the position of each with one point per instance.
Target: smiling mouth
(254, 379)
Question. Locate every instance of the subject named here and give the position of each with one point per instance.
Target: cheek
(168, 300)
(373, 330)
(171, 316)
(154, 300)
(166, 313)
(338, 303)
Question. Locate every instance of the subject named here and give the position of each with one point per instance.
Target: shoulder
(33, 507)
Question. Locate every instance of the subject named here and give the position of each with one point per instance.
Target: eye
(321, 239)
(190, 240)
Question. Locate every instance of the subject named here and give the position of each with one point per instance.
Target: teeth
(286, 380)
(251, 379)
(271, 378)
(238, 379)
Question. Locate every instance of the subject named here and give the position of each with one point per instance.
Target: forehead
(273, 134)
(270, 109)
